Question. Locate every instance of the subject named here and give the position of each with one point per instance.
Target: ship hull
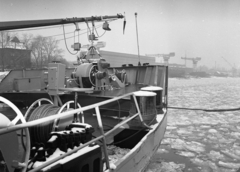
(139, 157)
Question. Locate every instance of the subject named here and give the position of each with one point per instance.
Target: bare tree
(37, 50)
(44, 49)
(51, 49)
(5, 39)
(27, 40)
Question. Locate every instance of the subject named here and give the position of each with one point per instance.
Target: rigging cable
(206, 110)
(55, 35)
(129, 137)
(67, 33)
(73, 36)
(97, 33)
(66, 42)
(119, 117)
(103, 32)
(94, 27)
(88, 30)
(39, 28)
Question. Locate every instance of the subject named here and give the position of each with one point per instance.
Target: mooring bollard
(147, 104)
(158, 91)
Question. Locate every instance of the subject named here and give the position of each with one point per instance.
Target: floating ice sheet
(217, 132)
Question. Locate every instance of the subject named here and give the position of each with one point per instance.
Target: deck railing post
(104, 138)
(138, 109)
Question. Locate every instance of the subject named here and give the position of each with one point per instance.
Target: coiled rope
(41, 132)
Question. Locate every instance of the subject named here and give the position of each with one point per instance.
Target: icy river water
(198, 140)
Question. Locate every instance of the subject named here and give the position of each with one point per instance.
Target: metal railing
(72, 112)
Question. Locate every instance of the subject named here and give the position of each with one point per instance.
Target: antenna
(139, 64)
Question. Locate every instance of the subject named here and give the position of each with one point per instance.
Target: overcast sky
(208, 29)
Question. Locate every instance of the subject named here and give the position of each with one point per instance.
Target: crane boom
(155, 55)
(11, 25)
(188, 58)
(161, 55)
(228, 62)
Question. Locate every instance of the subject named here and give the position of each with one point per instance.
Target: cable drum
(86, 72)
(41, 132)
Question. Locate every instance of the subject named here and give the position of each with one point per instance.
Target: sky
(209, 29)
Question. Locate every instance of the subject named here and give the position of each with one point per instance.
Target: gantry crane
(166, 57)
(194, 60)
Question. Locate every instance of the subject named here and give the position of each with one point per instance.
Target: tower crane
(166, 57)
(194, 60)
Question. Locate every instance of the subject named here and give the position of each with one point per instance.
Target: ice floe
(194, 147)
(115, 153)
(212, 130)
(231, 154)
(229, 164)
(186, 154)
(205, 126)
(171, 127)
(214, 156)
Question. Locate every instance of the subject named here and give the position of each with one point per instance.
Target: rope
(66, 42)
(114, 143)
(98, 34)
(41, 132)
(206, 110)
(88, 30)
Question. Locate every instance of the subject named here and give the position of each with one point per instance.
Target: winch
(48, 140)
(96, 74)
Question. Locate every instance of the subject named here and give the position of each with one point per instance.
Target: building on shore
(11, 58)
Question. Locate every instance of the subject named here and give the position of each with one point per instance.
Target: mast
(11, 25)
(139, 63)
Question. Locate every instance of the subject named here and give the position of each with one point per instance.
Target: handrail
(64, 114)
(68, 113)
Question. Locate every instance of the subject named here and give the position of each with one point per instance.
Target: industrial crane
(166, 57)
(234, 70)
(194, 60)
